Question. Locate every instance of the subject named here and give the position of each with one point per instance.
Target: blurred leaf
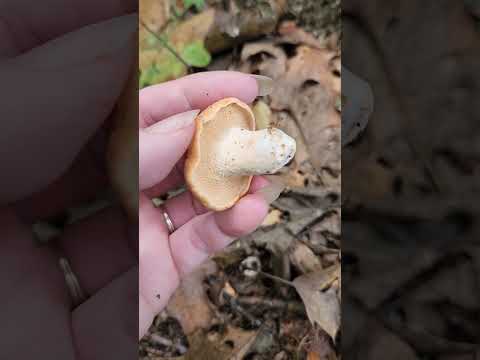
(147, 77)
(196, 55)
(199, 4)
(164, 68)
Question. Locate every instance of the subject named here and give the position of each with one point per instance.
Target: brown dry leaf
(306, 90)
(304, 259)
(308, 217)
(377, 181)
(277, 240)
(154, 13)
(295, 178)
(313, 355)
(320, 348)
(273, 217)
(263, 57)
(384, 342)
(204, 347)
(195, 28)
(293, 34)
(323, 307)
(190, 304)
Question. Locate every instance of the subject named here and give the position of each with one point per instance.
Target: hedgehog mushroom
(226, 152)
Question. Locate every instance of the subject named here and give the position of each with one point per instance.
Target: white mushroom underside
(245, 152)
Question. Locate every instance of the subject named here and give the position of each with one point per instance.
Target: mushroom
(226, 152)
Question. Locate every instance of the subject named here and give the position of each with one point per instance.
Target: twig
(272, 303)
(166, 45)
(170, 20)
(160, 340)
(273, 277)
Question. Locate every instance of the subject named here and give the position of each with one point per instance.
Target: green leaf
(196, 55)
(166, 67)
(199, 4)
(148, 76)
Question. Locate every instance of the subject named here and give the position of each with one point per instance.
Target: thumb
(44, 128)
(162, 145)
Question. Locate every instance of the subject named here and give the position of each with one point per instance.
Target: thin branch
(276, 278)
(166, 45)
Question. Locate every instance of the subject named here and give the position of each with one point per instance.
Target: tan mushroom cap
(210, 187)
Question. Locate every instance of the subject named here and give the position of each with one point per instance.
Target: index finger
(193, 92)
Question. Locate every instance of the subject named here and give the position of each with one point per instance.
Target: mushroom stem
(245, 152)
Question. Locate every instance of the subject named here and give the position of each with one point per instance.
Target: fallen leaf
(320, 348)
(263, 341)
(294, 34)
(154, 13)
(313, 355)
(263, 57)
(277, 240)
(228, 346)
(199, 4)
(309, 217)
(295, 178)
(273, 217)
(304, 259)
(323, 307)
(186, 38)
(306, 90)
(190, 304)
(196, 55)
(193, 29)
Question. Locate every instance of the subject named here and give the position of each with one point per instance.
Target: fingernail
(271, 192)
(264, 83)
(174, 123)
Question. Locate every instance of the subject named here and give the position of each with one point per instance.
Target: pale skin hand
(166, 129)
(51, 158)
(106, 320)
(103, 323)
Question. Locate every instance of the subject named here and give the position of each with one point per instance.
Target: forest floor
(274, 294)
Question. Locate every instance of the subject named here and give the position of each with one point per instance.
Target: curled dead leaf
(322, 304)
(306, 90)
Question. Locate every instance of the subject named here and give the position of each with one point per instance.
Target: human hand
(62, 72)
(166, 126)
(63, 66)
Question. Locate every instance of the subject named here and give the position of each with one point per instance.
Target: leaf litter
(419, 154)
(274, 294)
